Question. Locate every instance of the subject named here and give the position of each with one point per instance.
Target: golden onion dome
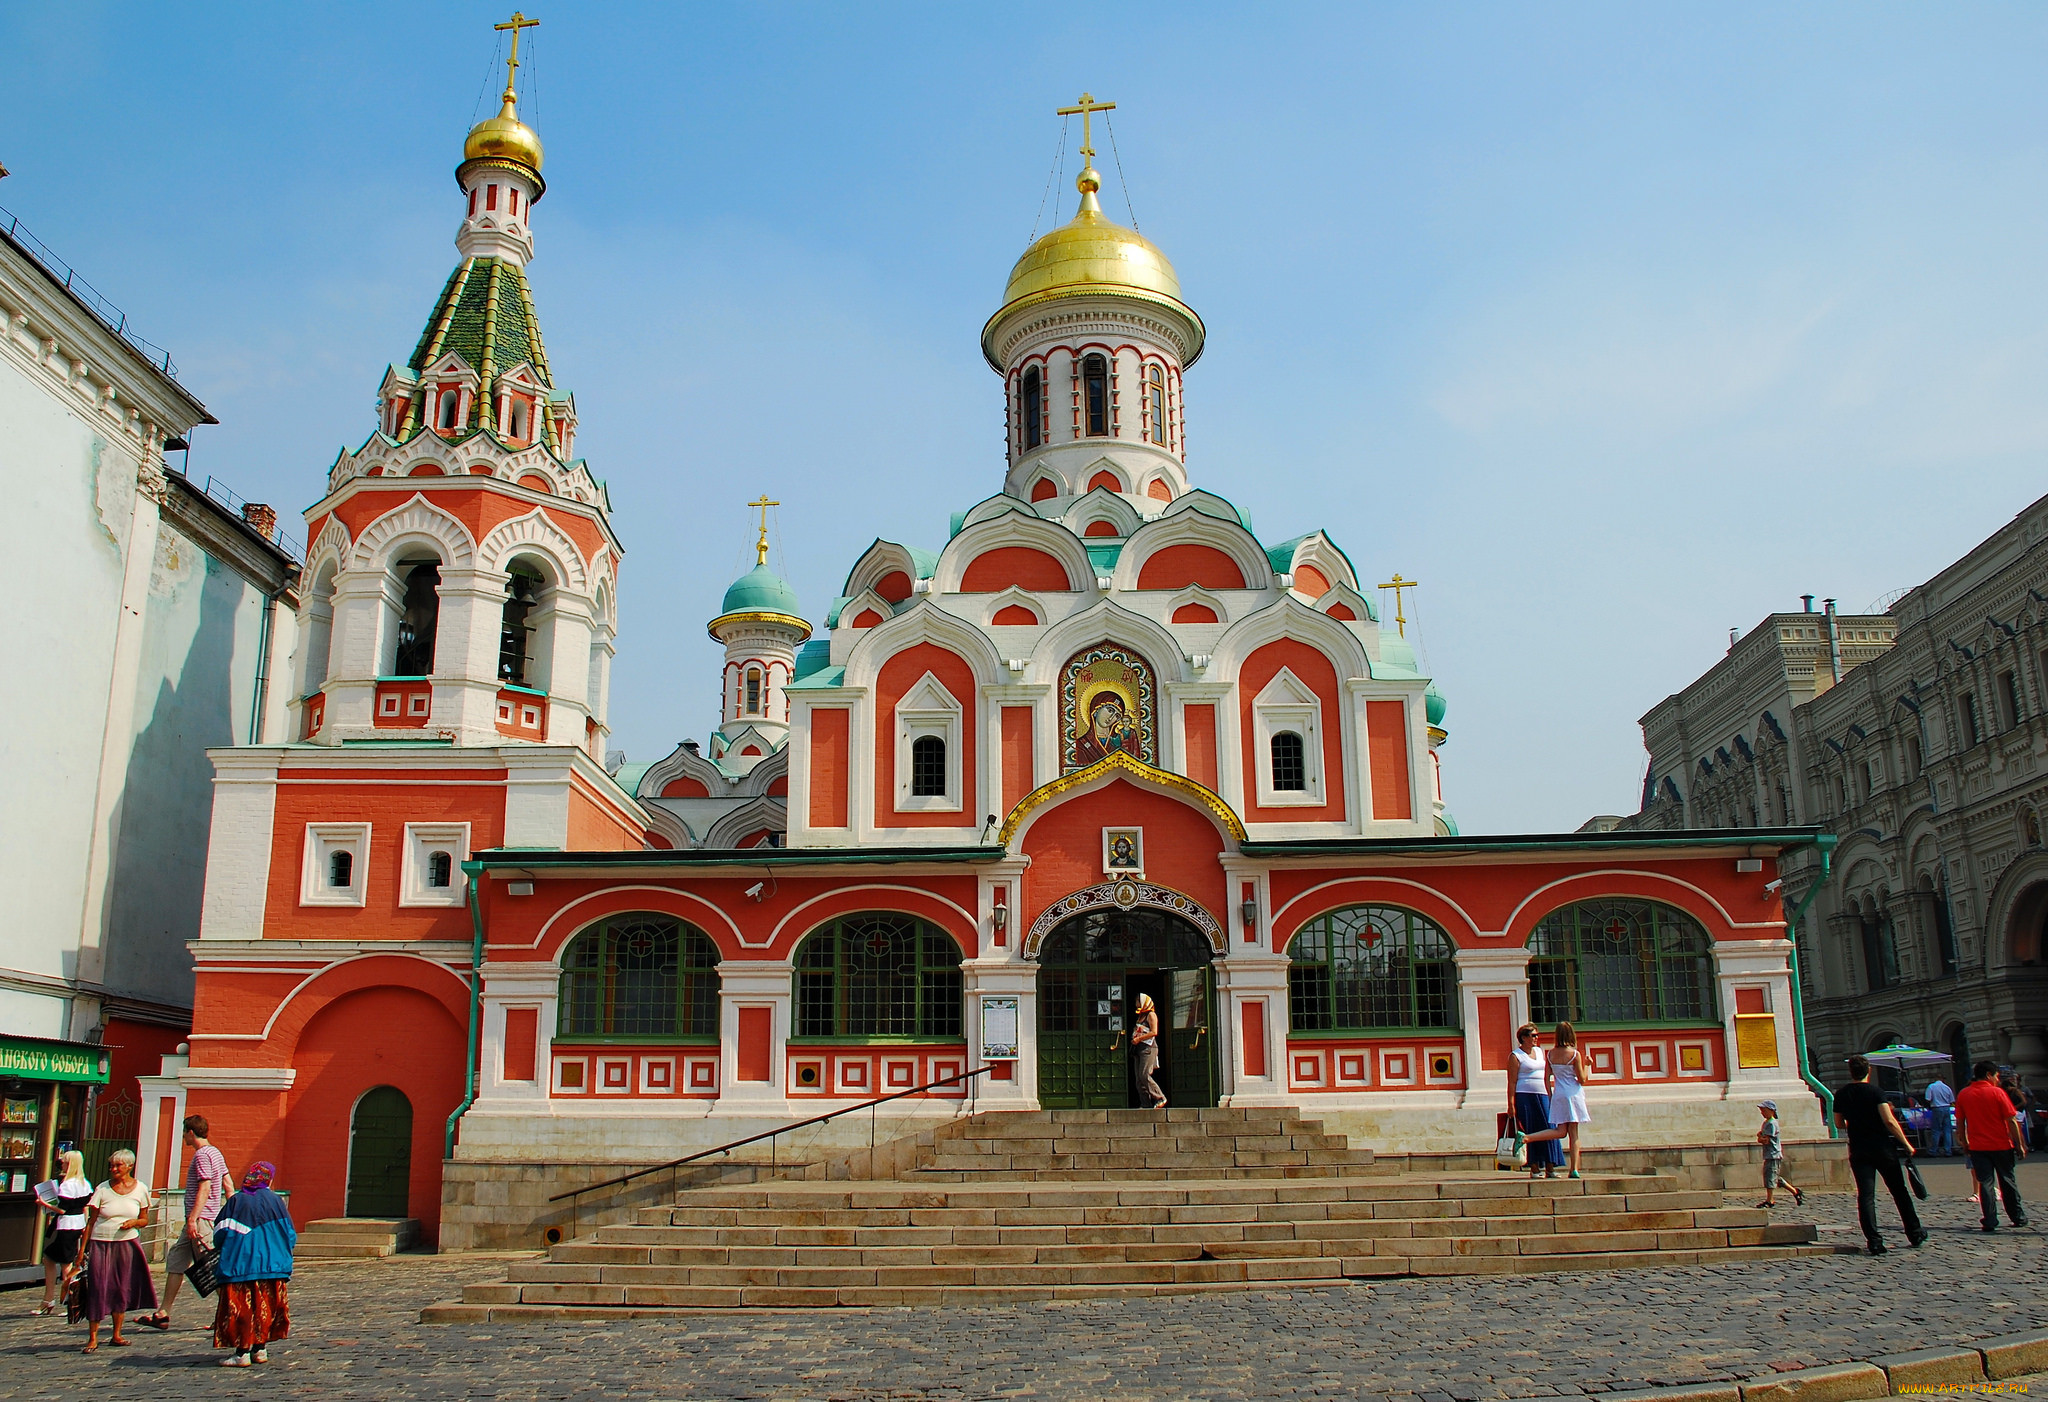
(1089, 255)
(504, 138)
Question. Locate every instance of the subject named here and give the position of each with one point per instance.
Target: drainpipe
(474, 871)
(264, 625)
(1826, 843)
(1834, 643)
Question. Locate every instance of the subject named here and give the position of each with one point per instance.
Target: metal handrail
(769, 1134)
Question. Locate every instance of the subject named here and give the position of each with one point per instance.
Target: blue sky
(1615, 325)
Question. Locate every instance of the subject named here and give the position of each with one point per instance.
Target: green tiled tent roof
(485, 315)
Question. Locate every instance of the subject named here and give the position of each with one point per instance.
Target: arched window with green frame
(641, 976)
(1618, 960)
(878, 974)
(1366, 968)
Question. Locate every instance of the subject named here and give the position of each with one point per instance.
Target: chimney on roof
(262, 518)
(689, 747)
(1806, 600)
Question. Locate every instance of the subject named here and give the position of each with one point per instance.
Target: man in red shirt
(1991, 1136)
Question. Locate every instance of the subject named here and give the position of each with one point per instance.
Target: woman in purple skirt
(116, 1272)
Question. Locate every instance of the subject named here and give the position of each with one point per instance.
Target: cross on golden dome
(515, 24)
(1087, 107)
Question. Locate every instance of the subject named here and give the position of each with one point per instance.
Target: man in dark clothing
(1992, 1139)
(1877, 1146)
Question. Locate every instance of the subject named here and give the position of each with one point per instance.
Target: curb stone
(2007, 1356)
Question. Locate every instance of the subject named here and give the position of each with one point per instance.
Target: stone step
(355, 1238)
(508, 1303)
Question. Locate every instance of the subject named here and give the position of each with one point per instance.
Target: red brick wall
(1316, 673)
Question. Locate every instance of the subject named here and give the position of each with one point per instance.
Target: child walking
(1774, 1158)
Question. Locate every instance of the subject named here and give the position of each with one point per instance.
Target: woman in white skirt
(1567, 1085)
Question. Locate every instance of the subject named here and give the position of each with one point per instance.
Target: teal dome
(760, 590)
(1433, 703)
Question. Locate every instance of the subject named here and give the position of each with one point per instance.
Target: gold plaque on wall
(1756, 1039)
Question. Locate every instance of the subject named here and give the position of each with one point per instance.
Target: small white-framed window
(434, 854)
(1287, 729)
(336, 866)
(928, 749)
(753, 691)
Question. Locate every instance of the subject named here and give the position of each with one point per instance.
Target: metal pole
(1826, 843)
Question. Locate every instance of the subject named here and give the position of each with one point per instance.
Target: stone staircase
(352, 1238)
(1081, 1146)
(1077, 1204)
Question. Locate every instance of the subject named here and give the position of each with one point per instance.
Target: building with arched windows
(1102, 741)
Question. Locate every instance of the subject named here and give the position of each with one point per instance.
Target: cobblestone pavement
(1460, 1340)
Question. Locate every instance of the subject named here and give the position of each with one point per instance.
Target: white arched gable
(1344, 594)
(991, 507)
(746, 819)
(775, 766)
(1114, 468)
(924, 622)
(1319, 551)
(866, 599)
(1105, 622)
(1100, 504)
(660, 820)
(1194, 528)
(880, 559)
(1203, 504)
(417, 520)
(680, 763)
(536, 533)
(1290, 618)
(993, 604)
(1014, 528)
(332, 541)
(1196, 594)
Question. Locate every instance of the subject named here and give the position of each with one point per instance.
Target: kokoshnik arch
(1103, 741)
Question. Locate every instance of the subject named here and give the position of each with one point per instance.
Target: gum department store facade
(1103, 741)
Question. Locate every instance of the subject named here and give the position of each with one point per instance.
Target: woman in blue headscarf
(254, 1236)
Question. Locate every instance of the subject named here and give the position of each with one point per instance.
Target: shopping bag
(1913, 1177)
(204, 1272)
(1509, 1154)
(74, 1289)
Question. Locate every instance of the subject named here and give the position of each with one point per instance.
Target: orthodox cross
(761, 545)
(515, 24)
(1397, 584)
(1088, 108)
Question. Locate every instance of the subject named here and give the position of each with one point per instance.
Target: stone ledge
(2015, 1355)
(1840, 1382)
(1930, 1367)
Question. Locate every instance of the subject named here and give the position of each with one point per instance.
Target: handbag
(1913, 1177)
(1509, 1154)
(204, 1272)
(74, 1289)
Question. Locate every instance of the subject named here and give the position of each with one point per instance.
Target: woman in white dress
(1566, 1079)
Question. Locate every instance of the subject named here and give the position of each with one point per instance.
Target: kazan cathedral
(1103, 741)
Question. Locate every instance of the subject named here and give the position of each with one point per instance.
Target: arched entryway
(1091, 969)
(380, 1154)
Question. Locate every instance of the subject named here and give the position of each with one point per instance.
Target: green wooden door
(1084, 997)
(380, 1155)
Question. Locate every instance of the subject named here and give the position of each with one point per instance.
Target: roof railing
(771, 1135)
(234, 502)
(116, 320)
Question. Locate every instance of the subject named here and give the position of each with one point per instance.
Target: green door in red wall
(380, 1154)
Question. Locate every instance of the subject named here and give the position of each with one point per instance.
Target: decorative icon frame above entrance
(1123, 853)
(1125, 895)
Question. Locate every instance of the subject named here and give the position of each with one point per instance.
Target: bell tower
(462, 572)
(759, 624)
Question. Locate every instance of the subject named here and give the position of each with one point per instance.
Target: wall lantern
(1250, 911)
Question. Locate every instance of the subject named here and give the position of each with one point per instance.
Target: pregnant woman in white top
(1529, 1101)
(1567, 1093)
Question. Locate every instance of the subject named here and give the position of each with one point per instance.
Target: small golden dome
(504, 138)
(1092, 254)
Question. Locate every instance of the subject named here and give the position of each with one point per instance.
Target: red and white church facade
(1103, 741)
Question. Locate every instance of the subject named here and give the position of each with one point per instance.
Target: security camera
(1774, 886)
(754, 891)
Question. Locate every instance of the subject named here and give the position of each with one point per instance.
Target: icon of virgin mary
(1110, 728)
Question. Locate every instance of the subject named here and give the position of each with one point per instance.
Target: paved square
(356, 1335)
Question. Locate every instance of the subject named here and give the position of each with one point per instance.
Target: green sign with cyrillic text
(53, 1061)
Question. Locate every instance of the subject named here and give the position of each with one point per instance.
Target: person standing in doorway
(1878, 1146)
(1992, 1138)
(206, 1188)
(1529, 1101)
(1145, 1041)
(1941, 1099)
(1564, 1072)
